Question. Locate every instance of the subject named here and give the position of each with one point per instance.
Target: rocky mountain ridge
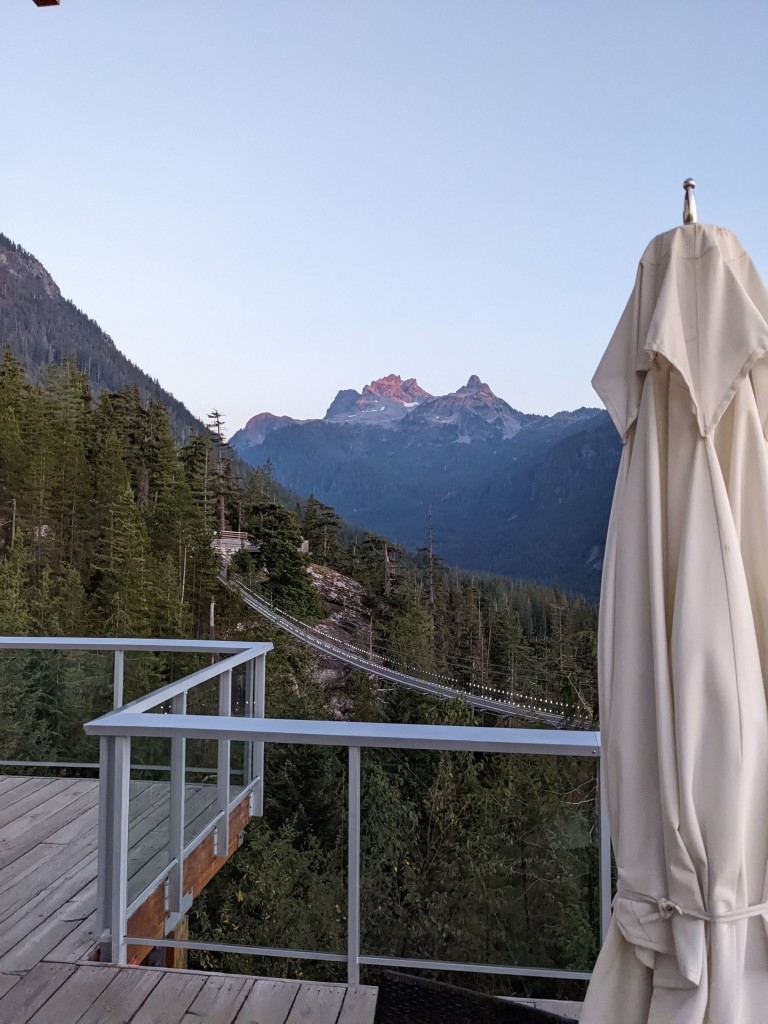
(508, 492)
(472, 412)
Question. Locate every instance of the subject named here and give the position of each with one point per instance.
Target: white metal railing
(114, 767)
(118, 647)
(117, 729)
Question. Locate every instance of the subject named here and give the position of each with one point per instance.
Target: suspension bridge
(491, 700)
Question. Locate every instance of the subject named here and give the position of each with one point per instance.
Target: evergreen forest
(106, 529)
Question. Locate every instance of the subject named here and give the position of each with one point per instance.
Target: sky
(265, 201)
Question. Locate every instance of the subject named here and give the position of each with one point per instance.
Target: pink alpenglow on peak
(394, 387)
(383, 402)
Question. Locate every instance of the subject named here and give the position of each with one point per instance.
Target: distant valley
(510, 492)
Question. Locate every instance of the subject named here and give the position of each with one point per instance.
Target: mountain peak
(475, 386)
(394, 387)
(382, 402)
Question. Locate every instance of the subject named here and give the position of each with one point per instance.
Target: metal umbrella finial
(689, 206)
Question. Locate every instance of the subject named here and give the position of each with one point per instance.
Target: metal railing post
(106, 766)
(118, 673)
(259, 711)
(605, 881)
(112, 881)
(176, 814)
(225, 710)
(353, 869)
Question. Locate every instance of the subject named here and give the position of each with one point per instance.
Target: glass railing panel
(200, 788)
(238, 757)
(148, 820)
(295, 860)
(489, 859)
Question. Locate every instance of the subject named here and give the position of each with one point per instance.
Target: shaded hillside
(41, 327)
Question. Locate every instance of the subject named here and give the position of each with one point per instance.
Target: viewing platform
(49, 936)
(95, 875)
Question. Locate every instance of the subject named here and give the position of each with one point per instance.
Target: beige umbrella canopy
(683, 657)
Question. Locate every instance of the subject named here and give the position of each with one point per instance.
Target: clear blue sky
(263, 201)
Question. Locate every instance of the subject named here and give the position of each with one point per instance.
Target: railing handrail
(165, 693)
(163, 646)
(564, 742)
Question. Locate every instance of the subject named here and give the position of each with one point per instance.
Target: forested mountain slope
(42, 328)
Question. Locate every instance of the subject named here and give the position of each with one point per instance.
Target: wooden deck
(48, 863)
(48, 931)
(102, 994)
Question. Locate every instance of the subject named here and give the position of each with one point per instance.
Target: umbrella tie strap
(666, 908)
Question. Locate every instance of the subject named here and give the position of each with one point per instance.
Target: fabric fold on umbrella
(683, 642)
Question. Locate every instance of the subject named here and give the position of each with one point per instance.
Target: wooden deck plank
(26, 998)
(105, 994)
(7, 981)
(27, 796)
(9, 782)
(170, 999)
(147, 829)
(49, 900)
(49, 803)
(123, 997)
(220, 998)
(80, 989)
(32, 885)
(20, 786)
(316, 1004)
(359, 1006)
(28, 863)
(25, 799)
(82, 813)
(199, 799)
(268, 1002)
(79, 944)
(81, 797)
(72, 829)
(48, 892)
(24, 955)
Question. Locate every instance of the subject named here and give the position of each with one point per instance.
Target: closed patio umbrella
(683, 641)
